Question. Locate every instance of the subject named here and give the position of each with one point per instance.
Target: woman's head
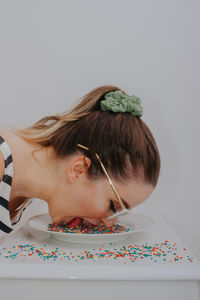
(123, 141)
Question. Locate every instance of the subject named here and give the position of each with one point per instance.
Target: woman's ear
(77, 168)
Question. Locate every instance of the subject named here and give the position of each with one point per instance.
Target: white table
(30, 277)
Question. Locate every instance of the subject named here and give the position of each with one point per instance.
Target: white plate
(135, 222)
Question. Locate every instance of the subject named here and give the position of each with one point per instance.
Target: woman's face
(78, 196)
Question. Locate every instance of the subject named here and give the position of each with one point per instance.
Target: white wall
(53, 52)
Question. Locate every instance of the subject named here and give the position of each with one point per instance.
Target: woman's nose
(107, 222)
(103, 221)
(91, 221)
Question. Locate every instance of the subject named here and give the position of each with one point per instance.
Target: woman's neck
(31, 179)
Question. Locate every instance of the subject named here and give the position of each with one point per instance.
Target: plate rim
(91, 234)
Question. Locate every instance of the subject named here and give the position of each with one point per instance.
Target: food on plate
(77, 225)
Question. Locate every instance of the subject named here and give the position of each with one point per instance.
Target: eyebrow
(125, 203)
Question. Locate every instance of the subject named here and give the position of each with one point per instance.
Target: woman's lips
(77, 221)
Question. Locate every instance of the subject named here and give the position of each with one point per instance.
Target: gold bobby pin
(125, 210)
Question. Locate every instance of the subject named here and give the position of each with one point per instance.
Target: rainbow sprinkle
(165, 252)
(87, 228)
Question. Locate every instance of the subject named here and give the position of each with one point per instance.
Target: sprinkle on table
(165, 252)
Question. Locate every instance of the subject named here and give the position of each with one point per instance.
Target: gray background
(53, 52)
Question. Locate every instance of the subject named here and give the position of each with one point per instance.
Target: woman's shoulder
(2, 165)
(4, 136)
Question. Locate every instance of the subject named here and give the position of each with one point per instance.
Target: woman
(55, 160)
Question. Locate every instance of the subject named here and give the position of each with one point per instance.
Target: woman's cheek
(87, 207)
(98, 210)
(100, 206)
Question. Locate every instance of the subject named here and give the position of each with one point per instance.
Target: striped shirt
(6, 224)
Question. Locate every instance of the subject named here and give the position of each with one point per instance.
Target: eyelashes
(112, 207)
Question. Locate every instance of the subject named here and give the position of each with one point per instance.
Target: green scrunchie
(117, 101)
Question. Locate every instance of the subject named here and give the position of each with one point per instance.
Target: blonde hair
(41, 132)
(120, 139)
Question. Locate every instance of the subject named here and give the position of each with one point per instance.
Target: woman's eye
(112, 207)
